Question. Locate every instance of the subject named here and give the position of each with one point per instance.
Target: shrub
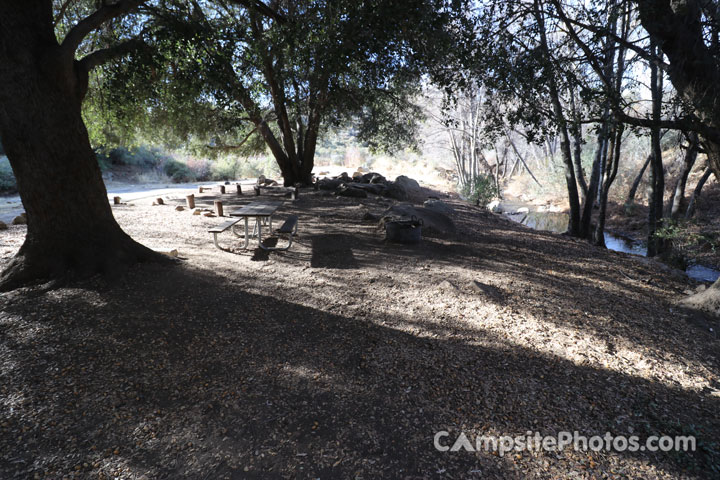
(103, 159)
(200, 167)
(178, 171)
(139, 157)
(682, 239)
(225, 168)
(480, 190)
(7, 179)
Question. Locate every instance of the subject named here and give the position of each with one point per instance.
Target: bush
(200, 167)
(232, 168)
(7, 179)
(682, 239)
(225, 168)
(103, 160)
(178, 171)
(138, 157)
(481, 190)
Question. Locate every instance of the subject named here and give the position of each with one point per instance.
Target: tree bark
(576, 129)
(50, 154)
(677, 201)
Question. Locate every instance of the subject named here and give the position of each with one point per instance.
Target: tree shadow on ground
(554, 278)
(333, 251)
(180, 373)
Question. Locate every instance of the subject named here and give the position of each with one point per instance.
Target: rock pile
(360, 185)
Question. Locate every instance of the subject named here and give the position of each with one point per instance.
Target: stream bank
(554, 219)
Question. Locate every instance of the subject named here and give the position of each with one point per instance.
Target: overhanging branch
(104, 55)
(90, 23)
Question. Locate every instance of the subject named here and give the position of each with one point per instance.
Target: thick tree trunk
(590, 198)
(677, 202)
(71, 230)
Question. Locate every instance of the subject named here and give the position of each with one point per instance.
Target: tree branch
(234, 147)
(83, 28)
(261, 8)
(61, 12)
(104, 55)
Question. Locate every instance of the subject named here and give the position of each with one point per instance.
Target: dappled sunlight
(225, 363)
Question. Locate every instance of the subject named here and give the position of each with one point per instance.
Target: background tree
(285, 77)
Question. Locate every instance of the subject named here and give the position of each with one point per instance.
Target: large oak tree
(43, 80)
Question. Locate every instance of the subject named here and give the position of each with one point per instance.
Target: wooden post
(239, 189)
(159, 201)
(257, 189)
(200, 189)
(190, 201)
(222, 189)
(116, 200)
(218, 208)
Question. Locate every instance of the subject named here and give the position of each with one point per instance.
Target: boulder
(329, 183)
(396, 191)
(434, 223)
(3, 226)
(439, 206)
(410, 185)
(179, 208)
(372, 177)
(350, 191)
(20, 219)
(494, 206)
(374, 188)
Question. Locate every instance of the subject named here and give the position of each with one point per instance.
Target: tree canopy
(228, 73)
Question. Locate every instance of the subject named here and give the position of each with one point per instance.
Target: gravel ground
(343, 357)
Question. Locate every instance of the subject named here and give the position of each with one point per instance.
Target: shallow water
(558, 222)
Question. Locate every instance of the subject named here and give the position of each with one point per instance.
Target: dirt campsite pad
(345, 356)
